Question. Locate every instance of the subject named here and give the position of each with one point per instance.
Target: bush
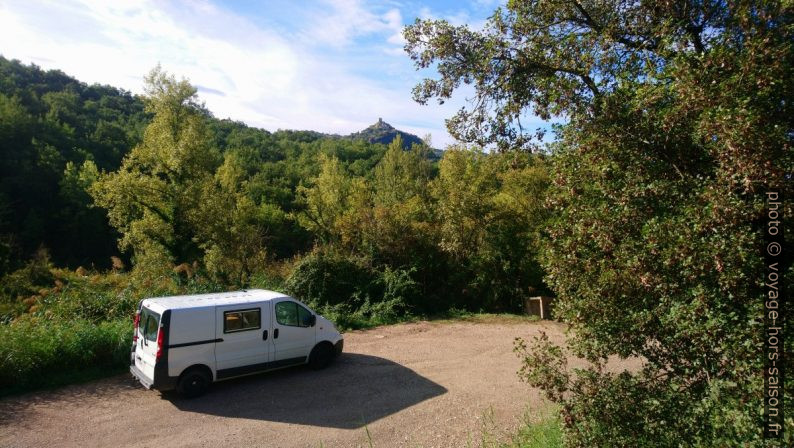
(362, 313)
(399, 290)
(350, 293)
(39, 353)
(327, 278)
(27, 280)
(84, 303)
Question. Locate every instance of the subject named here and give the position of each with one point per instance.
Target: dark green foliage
(489, 212)
(327, 278)
(680, 120)
(467, 233)
(48, 120)
(400, 291)
(36, 274)
(20, 286)
(84, 299)
(353, 294)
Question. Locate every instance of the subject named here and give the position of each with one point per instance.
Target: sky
(333, 66)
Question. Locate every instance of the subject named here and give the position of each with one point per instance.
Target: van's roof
(213, 299)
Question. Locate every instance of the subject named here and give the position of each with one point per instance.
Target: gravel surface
(428, 384)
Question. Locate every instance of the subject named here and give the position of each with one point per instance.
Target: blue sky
(326, 65)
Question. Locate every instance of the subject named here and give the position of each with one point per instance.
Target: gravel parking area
(428, 384)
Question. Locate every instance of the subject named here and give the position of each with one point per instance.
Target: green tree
(231, 228)
(326, 200)
(489, 212)
(401, 175)
(466, 183)
(150, 198)
(679, 121)
(401, 212)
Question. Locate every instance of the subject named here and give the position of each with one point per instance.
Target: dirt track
(420, 384)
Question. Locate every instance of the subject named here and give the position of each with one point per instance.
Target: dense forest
(645, 216)
(53, 124)
(102, 179)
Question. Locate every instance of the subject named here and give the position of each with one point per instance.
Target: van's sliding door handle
(275, 333)
(264, 335)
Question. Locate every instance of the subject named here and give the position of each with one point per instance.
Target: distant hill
(382, 132)
(379, 133)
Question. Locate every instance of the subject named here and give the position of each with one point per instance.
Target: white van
(188, 342)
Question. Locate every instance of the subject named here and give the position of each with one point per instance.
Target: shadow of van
(352, 392)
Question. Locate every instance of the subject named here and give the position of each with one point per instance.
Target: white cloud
(338, 22)
(457, 18)
(246, 71)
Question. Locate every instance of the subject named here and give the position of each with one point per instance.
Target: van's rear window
(150, 322)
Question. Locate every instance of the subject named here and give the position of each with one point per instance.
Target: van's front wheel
(321, 355)
(193, 383)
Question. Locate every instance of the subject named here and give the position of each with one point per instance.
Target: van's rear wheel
(193, 383)
(321, 355)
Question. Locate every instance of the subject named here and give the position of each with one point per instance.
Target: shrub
(350, 293)
(27, 280)
(362, 313)
(90, 305)
(399, 289)
(327, 278)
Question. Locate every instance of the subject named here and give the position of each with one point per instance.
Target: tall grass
(546, 433)
(542, 430)
(35, 354)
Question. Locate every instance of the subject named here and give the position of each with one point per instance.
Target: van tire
(321, 355)
(193, 382)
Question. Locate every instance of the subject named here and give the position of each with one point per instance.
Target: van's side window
(304, 316)
(241, 320)
(292, 314)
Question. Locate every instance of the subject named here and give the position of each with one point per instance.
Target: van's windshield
(150, 322)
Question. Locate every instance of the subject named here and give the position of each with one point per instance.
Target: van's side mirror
(313, 320)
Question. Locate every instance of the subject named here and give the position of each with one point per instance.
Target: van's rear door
(146, 350)
(247, 342)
